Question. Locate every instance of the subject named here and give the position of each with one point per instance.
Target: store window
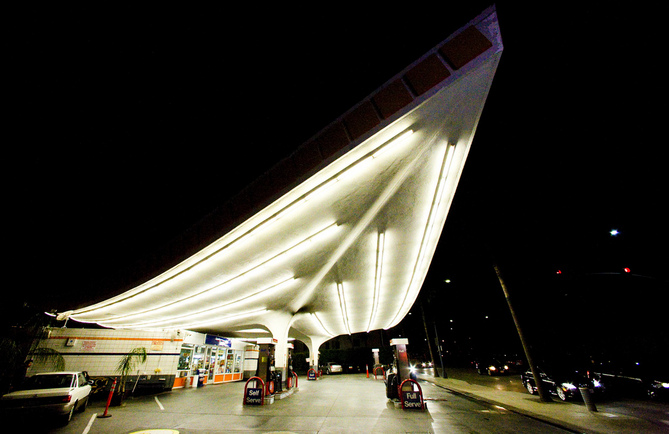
(230, 362)
(238, 361)
(200, 359)
(212, 365)
(185, 360)
(220, 363)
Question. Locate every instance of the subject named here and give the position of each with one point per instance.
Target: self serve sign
(253, 396)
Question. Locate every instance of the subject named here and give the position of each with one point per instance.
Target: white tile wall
(97, 342)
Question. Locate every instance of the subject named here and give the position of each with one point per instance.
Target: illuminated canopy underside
(347, 248)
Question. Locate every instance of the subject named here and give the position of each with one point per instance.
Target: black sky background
(124, 127)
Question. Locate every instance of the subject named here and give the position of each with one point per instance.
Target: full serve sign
(412, 399)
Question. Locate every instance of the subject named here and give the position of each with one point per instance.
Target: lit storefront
(210, 359)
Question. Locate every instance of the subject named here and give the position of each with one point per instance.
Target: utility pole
(427, 336)
(543, 393)
(441, 356)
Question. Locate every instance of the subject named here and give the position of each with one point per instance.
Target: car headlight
(569, 386)
(506, 367)
(596, 383)
(659, 385)
(492, 368)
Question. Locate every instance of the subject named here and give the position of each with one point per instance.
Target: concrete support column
(278, 324)
(314, 344)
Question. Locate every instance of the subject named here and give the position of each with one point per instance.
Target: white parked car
(58, 393)
(332, 368)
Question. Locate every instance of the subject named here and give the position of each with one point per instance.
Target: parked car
(564, 382)
(515, 362)
(634, 379)
(352, 368)
(658, 389)
(491, 367)
(333, 368)
(56, 393)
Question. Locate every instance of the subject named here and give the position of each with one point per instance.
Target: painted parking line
(90, 424)
(159, 403)
(156, 431)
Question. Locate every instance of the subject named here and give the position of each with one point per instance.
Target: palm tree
(49, 356)
(10, 361)
(126, 365)
(20, 345)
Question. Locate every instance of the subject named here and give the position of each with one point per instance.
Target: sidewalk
(571, 416)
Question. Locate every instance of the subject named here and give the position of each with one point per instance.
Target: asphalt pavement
(573, 416)
(351, 403)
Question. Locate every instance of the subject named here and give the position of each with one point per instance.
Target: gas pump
(400, 369)
(266, 363)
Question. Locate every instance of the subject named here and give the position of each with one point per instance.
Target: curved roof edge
(451, 59)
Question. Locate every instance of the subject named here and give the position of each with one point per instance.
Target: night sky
(125, 127)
